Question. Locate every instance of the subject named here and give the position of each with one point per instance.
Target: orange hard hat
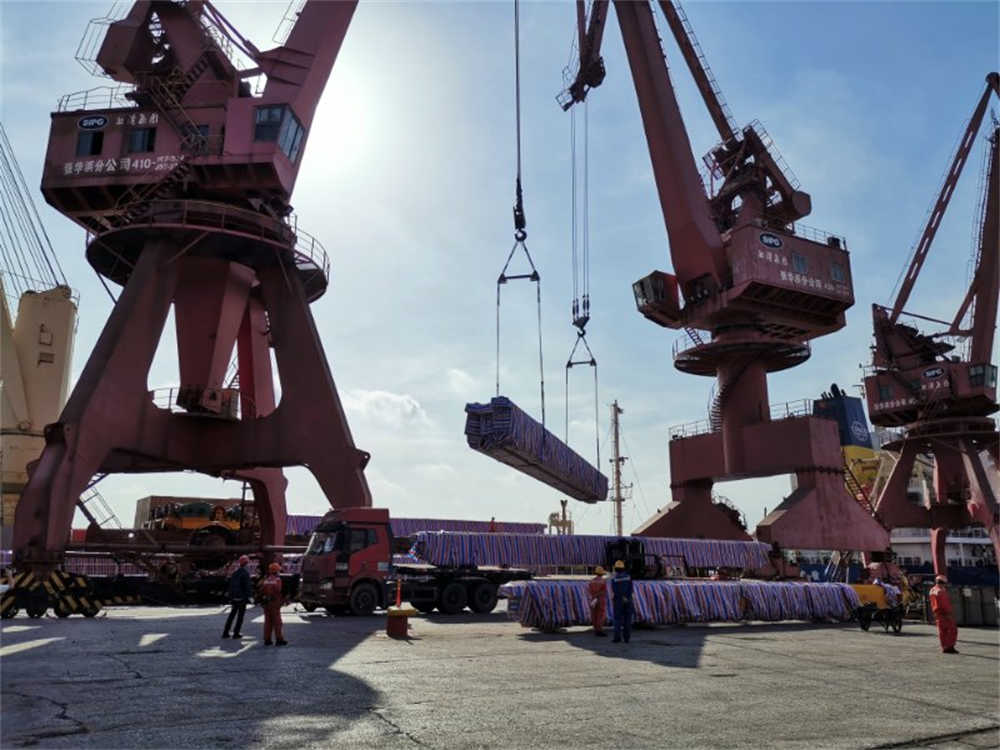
(274, 568)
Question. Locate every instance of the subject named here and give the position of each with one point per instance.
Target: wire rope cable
(520, 225)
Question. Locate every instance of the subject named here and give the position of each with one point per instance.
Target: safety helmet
(619, 565)
(940, 579)
(273, 568)
(599, 571)
(244, 560)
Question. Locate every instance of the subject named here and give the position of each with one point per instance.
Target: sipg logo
(859, 431)
(770, 240)
(934, 372)
(92, 122)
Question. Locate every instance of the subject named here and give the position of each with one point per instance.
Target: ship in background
(37, 326)
(867, 466)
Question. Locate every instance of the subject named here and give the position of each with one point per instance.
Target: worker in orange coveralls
(943, 616)
(598, 591)
(270, 598)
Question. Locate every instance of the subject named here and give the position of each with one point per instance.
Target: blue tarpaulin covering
(532, 550)
(504, 432)
(558, 604)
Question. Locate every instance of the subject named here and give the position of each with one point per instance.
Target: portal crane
(941, 396)
(743, 271)
(182, 178)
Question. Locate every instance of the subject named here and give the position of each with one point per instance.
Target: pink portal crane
(940, 388)
(760, 284)
(182, 178)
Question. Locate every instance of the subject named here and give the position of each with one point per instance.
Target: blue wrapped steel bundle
(304, 525)
(410, 526)
(532, 550)
(504, 432)
(557, 604)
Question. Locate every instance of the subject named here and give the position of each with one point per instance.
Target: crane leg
(311, 414)
(108, 402)
(984, 483)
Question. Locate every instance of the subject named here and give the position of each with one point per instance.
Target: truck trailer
(348, 568)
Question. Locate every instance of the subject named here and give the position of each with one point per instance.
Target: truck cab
(346, 564)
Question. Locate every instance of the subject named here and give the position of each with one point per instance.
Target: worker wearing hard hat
(270, 597)
(598, 591)
(621, 592)
(238, 592)
(943, 615)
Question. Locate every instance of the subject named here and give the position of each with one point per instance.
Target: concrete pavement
(162, 678)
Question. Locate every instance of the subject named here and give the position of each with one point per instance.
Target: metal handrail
(818, 235)
(99, 97)
(786, 410)
(167, 399)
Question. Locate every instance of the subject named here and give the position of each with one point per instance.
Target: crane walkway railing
(786, 410)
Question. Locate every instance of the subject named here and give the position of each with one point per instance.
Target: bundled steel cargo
(298, 525)
(534, 550)
(504, 432)
(557, 604)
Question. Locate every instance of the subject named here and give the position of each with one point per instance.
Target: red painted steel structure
(183, 184)
(744, 272)
(941, 399)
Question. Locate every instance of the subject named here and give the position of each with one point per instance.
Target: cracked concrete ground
(162, 678)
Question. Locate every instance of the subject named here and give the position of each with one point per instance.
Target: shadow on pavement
(166, 678)
(679, 645)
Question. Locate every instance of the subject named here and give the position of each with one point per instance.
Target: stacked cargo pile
(504, 432)
(410, 526)
(558, 604)
(304, 525)
(534, 550)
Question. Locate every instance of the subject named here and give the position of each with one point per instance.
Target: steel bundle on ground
(504, 432)
(533, 550)
(557, 604)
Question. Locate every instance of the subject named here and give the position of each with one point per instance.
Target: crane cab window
(884, 392)
(141, 140)
(799, 263)
(982, 375)
(837, 273)
(89, 143)
(290, 136)
(277, 122)
(267, 122)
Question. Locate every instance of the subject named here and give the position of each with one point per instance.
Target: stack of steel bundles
(533, 550)
(410, 526)
(504, 432)
(557, 604)
(304, 525)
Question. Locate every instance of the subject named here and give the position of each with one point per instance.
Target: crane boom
(944, 197)
(702, 74)
(987, 277)
(695, 242)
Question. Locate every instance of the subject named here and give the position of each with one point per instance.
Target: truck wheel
(309, 607)
(483, 598)
(37, 605)
(364, 599)
(453, 598)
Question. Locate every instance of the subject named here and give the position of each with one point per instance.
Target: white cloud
(461, 382)
(395, 409)
(435, 471)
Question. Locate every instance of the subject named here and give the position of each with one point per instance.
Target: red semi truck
(348, 568)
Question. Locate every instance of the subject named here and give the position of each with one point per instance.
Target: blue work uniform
(621, 597)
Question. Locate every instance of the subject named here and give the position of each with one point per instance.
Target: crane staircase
(96, 509)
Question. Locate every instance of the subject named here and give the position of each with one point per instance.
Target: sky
(408, 179)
